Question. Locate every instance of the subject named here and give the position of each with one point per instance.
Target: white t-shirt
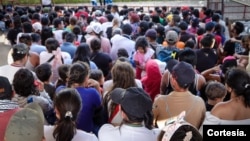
(124, 132)
(9, 71)
(58, 36)
(79, 136)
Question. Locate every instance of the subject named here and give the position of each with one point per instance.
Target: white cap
(37, 26)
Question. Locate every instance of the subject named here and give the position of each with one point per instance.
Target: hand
(216, 69)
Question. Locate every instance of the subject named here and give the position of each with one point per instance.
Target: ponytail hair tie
(246, 86)
(68, 114)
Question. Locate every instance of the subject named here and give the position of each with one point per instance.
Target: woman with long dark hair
(67, 104)
(83, 54)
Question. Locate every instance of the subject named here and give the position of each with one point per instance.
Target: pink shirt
(143, 58)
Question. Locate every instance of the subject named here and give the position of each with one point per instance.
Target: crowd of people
(126, 74)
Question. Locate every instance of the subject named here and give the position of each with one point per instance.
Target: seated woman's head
(97, 75)
(78, 74)
(238, 83)
(63, 71)
(82, 53)
(67, 104)
(95, 44)
(123, 75)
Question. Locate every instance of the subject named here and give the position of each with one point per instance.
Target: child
(44, 73)
(99, 77)
(215, 93)
(63, 71)
(142, 55)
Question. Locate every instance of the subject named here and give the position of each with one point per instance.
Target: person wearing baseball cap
(180, 99)
(26, 124)
(136, 106)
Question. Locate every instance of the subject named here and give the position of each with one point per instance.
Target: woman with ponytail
(137, 125)
(67, 104)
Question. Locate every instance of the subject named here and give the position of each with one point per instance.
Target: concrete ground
(4, 49)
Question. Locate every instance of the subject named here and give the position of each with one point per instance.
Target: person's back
(68, 104)
(207, 56)
(136, 106)
(19, 56)
(68, 45)
(120, 41)
(151, 82)
(26, 92)
(97, 32)
(54, 56)
(91, 99)
(101, 59)
(167, 106)
(36, 46)
(123, 41)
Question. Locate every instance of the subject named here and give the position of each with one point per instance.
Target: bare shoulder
(221, 109)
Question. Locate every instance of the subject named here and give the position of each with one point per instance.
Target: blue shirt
(91, 100)
(69, 47)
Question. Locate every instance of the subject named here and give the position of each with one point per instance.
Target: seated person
(215, 93)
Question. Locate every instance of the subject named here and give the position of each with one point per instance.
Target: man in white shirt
(20, 56)
(123, 41)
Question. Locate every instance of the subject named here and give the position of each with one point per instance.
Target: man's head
(209, 26)
(70, 37)
(182, 73)
(35, 37)
(237, 27)
(188, 55)
(20, 51)
(207, 41)
(134, 101)
(171, 37)
(183, 26)
(151, 34)
(127, 29)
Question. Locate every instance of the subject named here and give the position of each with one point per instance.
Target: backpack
(166, 54)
